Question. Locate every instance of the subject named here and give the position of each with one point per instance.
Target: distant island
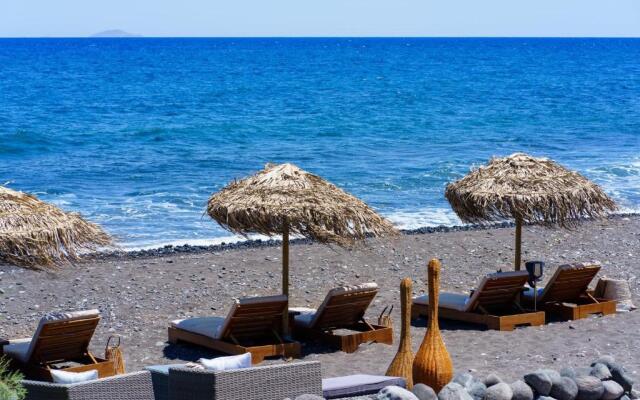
(114, 33)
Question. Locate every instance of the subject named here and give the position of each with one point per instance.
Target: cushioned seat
(206, 326)
(18, 349)
(304, 315)
(529, 292)
(454, 301)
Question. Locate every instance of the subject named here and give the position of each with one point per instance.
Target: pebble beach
(138, 294)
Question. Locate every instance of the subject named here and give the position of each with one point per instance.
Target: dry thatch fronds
(536, 190)
(312, 207)
(34, 233)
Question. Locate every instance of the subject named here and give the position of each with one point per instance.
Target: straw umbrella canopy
(284, 199)
(527, 190)
(37, 234)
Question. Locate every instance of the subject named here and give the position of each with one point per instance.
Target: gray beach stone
(606, 360)
(540, 382)
(395, 393)
(477, 390)
(612, 390)
(622, 377)
(492, 379)
(545, 398)
(521, 391)
(564, 389)
(600, 371)
(625, 397)
(424, 392)
(465, 379)
(589, 388)
(569, 372)
(454, 391)
(499, 391)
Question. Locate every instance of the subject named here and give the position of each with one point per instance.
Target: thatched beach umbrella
(527, 190)
(35, 233)
(284, 199)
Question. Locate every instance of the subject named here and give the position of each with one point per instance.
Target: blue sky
(28, 18)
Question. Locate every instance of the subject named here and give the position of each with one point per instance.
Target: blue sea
(136, 134)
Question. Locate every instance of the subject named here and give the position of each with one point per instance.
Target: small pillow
(73, 377)
(227, 363)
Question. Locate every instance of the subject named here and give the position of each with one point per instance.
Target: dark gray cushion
(357, 385)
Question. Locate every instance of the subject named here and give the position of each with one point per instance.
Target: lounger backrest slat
(255, 318)
(343, 310)
(64, 340)
(569, 283)
(498, 290)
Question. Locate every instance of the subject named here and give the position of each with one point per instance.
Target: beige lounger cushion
(453, 301)
(21, 349)
(305, 317)
(205, 326)
(308, 316)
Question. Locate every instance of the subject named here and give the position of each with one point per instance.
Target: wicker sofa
(134, 386)
(273, 382)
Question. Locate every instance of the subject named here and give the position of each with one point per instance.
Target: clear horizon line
(136, 36)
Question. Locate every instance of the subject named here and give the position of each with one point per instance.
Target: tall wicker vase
(432, 365)
(402, 363)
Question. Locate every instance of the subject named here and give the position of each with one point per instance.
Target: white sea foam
(427, 217)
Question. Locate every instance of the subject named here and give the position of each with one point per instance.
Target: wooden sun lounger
(567, 294)
(253, 325)
(61, 341)
(494, 304)
(342, 309)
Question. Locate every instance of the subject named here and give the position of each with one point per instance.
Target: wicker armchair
(134, 386)
(273, 382)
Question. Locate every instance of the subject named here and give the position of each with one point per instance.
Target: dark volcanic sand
(138, 296)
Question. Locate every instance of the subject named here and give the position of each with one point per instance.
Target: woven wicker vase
(432, 365)
(402, 363)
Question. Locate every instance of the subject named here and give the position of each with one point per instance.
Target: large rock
(499, 391)
(424, 392)
(589, 388)
(521, 391)
(606, 360)
(612, 390)
(492, 379)
(477, 390)
(622, 377)
(564, 389)
(465, 379)
(454, 391)
(545, 398)
(600, 371)
(540, 382)
(569, 372)
(395, 393)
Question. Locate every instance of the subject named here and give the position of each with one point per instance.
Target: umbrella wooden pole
(285, 274)
(518, 260)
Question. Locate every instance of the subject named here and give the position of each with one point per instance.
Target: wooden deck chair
(567, 294)
(342, 309)
(495, 304)
(61, 341)
(253, 325)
